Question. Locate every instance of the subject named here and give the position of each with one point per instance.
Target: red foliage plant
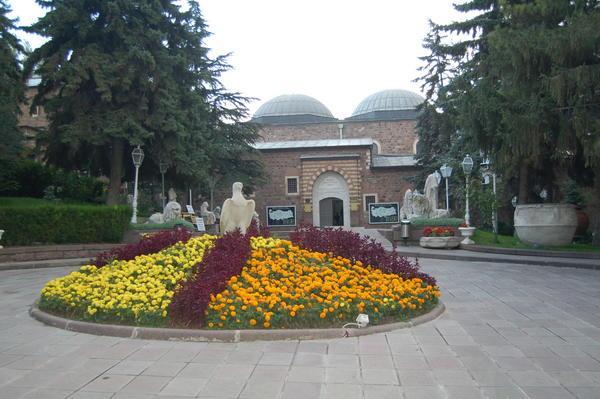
(438, 232)
(353, 246)
(225, 260)
(149, 244)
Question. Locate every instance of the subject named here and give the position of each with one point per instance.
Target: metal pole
(191, 198)
(495, 211)
(135, 195)
(163, 190)
(467, 216)
(447, 201)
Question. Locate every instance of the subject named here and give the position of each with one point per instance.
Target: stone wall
(393, 137)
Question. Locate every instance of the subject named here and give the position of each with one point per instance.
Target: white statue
(208, 216)
(217, 212)
(431, 191)
(173, 208)
(237, 212)
(406, 212)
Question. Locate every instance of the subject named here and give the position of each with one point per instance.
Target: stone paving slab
(509, 331)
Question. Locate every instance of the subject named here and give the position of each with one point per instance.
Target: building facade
(336, 172)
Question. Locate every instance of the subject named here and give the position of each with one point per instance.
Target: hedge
(62, 223)
(422, 222)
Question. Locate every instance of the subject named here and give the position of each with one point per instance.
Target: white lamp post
(138, 157)
(162, 167)
(446, 173)
(467, 165)
(487, 173)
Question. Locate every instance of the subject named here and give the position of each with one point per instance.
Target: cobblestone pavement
(509, 331)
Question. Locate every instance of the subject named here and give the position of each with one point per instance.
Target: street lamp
(487, 173)
(467, 165)
(138, 157)
(162, 167)
(446, 173)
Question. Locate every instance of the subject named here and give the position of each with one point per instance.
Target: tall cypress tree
(118, 73)
(11, 84)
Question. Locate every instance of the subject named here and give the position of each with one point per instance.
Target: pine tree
(11, 84)
(118, 73)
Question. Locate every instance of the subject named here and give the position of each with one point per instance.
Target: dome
(292, 108)
(388, 104)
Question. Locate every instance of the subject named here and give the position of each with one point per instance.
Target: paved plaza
(509, 331)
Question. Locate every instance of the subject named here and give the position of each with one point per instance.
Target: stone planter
(467, 233)
(546, 224)
(440, 242)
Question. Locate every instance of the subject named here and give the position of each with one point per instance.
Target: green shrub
(162, 226)
(422, 222)
(30, 222)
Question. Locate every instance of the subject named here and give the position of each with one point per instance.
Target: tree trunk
(523, 197)
(116, 171)
(595, 217)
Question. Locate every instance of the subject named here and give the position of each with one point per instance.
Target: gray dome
(292, 108)
(388, 100)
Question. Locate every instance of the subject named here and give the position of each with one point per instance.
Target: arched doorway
(331, 200)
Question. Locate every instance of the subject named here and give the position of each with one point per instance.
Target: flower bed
(136, 291)
(440, 231)
(246, 282)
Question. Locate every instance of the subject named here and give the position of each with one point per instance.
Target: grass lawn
(482, 237)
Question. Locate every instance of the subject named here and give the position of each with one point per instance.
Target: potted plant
(545, 224)
(439, 237)
(467, 232)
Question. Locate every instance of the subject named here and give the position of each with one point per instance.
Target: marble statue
(208, 216)
(237, 212)
(217, 212)
(423, 205)
(173, 208)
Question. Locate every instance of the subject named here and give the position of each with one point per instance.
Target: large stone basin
(545, 224)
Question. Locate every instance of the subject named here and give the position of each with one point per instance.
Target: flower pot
(467, 233)
(439, 242)
(545, 224)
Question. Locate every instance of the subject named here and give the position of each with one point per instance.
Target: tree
(118, 73)
(11, 84)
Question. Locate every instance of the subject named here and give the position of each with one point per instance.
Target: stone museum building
(336, 172)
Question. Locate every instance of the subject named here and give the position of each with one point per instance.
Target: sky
(338, 51)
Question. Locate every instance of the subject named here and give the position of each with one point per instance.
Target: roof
(391, 161)
(388, 104)
(292, 108)
(280, 145)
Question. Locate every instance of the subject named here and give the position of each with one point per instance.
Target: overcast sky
(338, 51)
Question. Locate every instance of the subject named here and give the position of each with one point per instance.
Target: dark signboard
(281, 215)
(384, 212)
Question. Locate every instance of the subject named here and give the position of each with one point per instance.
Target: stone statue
(208, 216)
(406, 212)
(217, 212)
(431, 191)
(237, 211)
(173, 208)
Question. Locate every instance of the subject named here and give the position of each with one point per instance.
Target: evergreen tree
(118, 73)
(11, 84)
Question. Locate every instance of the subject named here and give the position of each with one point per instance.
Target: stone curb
(531, 252)
(556, 262)
(43, 264)
(173, 334)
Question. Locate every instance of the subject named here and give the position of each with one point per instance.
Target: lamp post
(487, 173)
(446, 173)
(467, 165)
(138, 157)
(162, 167)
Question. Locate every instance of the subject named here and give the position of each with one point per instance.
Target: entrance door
(331, 212)
(331, 200)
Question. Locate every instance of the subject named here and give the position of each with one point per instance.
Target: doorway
(331, 212)
(331, 200)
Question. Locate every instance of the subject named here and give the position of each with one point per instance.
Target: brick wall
(394, 137)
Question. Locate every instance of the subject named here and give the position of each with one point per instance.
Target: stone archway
(326, 188)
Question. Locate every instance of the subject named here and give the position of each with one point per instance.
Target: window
(291, 185)
(369, 199)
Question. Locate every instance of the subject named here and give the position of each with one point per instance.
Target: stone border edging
(174, 334)
(531, 252)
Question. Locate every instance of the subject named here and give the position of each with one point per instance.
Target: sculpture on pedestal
(423, 205)
(208, 216)
(237, 212)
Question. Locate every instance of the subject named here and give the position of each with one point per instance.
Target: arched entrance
(331, 200)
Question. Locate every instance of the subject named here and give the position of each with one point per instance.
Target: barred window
(369, 199)
(291, 185)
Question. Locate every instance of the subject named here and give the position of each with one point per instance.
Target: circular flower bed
(246, 282)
